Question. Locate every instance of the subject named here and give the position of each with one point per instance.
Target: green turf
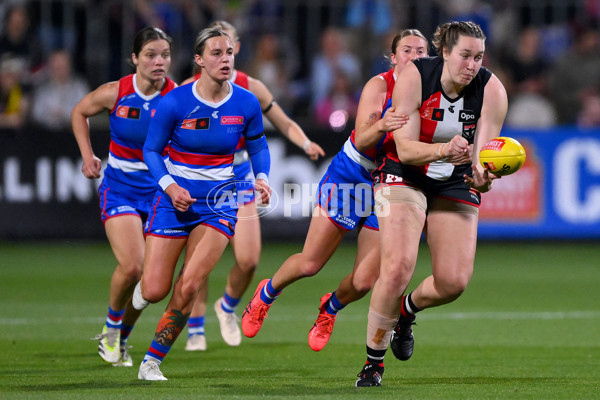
(528, 327)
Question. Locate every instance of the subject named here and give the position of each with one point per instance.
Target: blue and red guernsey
(129, 122)
(367, 158)
(203, 137)
(241, 79)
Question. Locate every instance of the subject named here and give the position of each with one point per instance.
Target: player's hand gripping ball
(502, 156)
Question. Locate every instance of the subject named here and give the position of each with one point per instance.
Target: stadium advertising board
(555, 195)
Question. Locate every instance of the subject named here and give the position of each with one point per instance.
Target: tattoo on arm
(374, 117)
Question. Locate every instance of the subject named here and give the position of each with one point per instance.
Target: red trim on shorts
(103, 206)
(370, 227)
(166, 237)
(218, 230)
(333, 221)
(121, 215)
(151, 218)
(458, 200)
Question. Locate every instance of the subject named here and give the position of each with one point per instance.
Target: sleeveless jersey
(442, 118)
(203, 137)
(129, 122)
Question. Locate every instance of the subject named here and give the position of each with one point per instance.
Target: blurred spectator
(16, 40)
(525, 64)
(477, 11)
(589, 115)
(332, 57)
(14, 98)
(339, 107)
(574, 73)
(530, 110)
(180, 19)
(528, 106)
(57, 94)
(268, 66)
(374, 15)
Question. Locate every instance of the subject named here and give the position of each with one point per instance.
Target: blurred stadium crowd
(315, 56)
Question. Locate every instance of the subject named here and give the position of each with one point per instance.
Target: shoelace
(153, 367)
(324, 324)
(106, 335)
(260, 313)
(125, 351)
(405, 328)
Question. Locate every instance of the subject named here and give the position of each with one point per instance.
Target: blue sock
(196, 326)
(113, 320)
(156, 352)
(269, 293)
(334, 305)
(125, 332)
(229, 303)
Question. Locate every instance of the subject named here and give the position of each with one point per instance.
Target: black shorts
(454, 189)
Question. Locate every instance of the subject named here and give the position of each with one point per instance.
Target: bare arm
(289, 128)
(370, 126)
(407, 100)
(93, 103)
(489, 126)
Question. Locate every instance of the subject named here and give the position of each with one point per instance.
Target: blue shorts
(346, 194)
(244, 183)
(132, 202)
(165, 221)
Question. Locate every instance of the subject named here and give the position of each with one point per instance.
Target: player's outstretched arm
(289, 128)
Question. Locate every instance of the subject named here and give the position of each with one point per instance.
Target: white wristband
(166, 181)
(306, 144)
(263, 176)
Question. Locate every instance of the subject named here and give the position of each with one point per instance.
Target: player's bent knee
(189, 290)
(132, 272)
(363, 285)
(311, 268)
(452, 289)
(248, 265)
(154, 293)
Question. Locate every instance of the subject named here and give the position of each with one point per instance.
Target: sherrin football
(502, 156)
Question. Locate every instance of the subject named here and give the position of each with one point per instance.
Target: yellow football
(502, 156)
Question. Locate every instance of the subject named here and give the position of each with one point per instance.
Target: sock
(196, 326)
(229, 303)
(113, 320)
(408, 307)
(269, 293)
(334, 305)
(156, 352)
(170, 326)
(125, 332)
(375, 356)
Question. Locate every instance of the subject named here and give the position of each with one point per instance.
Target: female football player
(430, 178)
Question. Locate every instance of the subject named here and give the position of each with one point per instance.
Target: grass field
(528, 327)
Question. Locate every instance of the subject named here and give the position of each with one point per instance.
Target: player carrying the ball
(429, 179)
